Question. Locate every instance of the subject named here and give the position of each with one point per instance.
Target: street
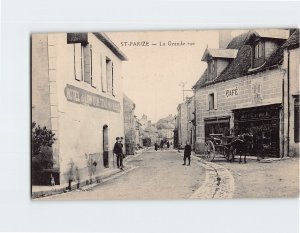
(158, 175)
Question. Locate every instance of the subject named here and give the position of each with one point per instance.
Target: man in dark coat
(155, 146)
(119, 153)
(187, 153)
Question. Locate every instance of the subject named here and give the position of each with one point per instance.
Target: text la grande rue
(160, 43)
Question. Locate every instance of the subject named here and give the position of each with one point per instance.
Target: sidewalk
(43, 191)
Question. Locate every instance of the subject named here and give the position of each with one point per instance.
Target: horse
(242, 145)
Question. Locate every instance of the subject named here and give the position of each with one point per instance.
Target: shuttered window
(103, 74)
(77, 61)
(211, 101)
(109, 75)
(83, 68)
(87, 64)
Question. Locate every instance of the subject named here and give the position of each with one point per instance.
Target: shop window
(110, 76)
(296, 121)
(83, 62)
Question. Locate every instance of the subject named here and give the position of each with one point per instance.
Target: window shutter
(77, 61)
(207, 102)
(103, 73)
(109, 75)
(215, 100)
(87, 63)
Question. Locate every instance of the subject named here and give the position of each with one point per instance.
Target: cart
(218, 144)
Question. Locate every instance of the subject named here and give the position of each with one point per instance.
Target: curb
(88, 184)
(218, 183)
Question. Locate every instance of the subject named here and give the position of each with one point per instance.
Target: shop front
(264, 124)
(217, 125)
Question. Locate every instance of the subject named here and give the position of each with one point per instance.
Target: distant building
(129, 125)
(138, 133)
(144, 121)
(185, 129)
(77, 93)
(165, 127)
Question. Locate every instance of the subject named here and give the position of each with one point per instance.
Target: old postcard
(204, 114)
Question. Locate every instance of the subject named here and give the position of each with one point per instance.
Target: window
(83, 62)
(296, 121)
(211, 101)
(109, 76)
(258, 50)
(211, 66)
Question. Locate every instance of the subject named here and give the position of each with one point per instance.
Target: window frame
(211, 101)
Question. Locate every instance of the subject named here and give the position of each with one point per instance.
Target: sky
(152, 74)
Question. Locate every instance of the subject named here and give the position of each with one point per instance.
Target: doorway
(105, 146)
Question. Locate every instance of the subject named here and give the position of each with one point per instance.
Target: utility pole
(182, 84)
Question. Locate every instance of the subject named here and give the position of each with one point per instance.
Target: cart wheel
(209, 151)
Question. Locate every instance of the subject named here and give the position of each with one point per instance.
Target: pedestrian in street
(119, 153)
(161, 144)
(155, 146)
(187, 153)
(168, 144)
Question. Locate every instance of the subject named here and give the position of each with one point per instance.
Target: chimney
(224, 38)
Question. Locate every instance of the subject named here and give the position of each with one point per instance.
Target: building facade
(77, 93)
(242, 91)
(185, 122)
(291, 67)
(129, 125)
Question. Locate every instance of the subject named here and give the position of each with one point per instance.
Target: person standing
(119, 153)
(187, 153)
(168, 144)
(155, 146)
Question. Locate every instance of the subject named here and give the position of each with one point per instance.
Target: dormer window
(211, 66)
(258, 54)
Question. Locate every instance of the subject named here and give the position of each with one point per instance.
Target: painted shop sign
(232, 92)
(80, 96)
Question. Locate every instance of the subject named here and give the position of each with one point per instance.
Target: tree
(42, 140)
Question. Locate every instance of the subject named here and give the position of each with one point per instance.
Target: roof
(293, 41)
(240, 66)
(111, 45)
(272, 33)
(220, 53)
(165, 126)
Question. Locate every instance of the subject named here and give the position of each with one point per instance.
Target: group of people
(118, 151)
(161, 145)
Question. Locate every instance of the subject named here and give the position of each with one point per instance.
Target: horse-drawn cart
(227, 146)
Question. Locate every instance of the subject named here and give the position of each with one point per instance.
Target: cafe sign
(80, 96)
(231, 92)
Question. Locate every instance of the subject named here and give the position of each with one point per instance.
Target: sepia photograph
(165, 115)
